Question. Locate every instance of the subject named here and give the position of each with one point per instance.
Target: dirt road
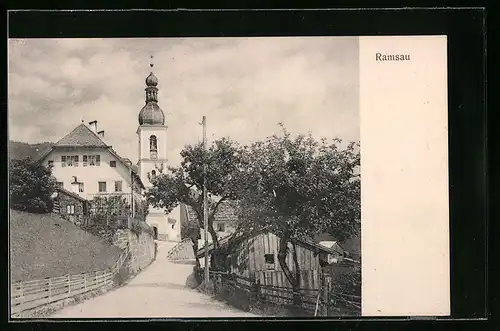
(161, 290)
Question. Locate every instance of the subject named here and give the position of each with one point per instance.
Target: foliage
(31, 186)
(108, 209)
(141, 211)
(106, 232)
(141, 227)
(348, 284)
(184, 184)
(298, 187)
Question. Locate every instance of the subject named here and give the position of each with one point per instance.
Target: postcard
(245, 177)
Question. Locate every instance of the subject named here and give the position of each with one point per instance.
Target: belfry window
(153, 147)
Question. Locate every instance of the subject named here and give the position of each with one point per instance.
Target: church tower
(152, 134)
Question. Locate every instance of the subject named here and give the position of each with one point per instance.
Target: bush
(347, 283)
(31, 186)
(103, 231)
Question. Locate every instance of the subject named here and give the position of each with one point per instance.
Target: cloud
(244, 86)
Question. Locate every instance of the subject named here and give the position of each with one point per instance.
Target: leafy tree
(184, 184)
(31, 186)
(299, 187)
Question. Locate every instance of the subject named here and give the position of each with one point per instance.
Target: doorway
(155, 233)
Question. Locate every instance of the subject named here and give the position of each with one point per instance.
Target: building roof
(60, 190)
(225, 213)
(81, 136)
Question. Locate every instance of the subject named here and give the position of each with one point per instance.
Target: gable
(81, 136)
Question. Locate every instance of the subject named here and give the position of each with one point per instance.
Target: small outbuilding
(255, 255)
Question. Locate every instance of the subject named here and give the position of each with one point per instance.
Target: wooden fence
(319, 301)
(182, 251)
(254, 290)
(35, 293)
(310, 279)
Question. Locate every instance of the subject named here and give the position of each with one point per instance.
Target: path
(160, 291)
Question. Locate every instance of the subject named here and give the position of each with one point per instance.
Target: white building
(85, 164)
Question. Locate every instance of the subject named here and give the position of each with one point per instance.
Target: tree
(184, 184)
(31, 186)
(299, 187)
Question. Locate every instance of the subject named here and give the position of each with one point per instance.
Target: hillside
(19, 150)
(48, 246)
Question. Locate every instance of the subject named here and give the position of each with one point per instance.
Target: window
(153, 147)
(91, 160)
(60, 184)
(70, 209)
(118, 186)
(80, 187)
(112, 164)
(153, 173)
(51, 163)
(220, 227)
(69, 160)
(269, 260)
(102, 187)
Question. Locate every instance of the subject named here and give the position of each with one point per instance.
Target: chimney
(93, 126)
(101, 134)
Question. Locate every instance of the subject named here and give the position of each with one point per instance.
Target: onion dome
(151, 114)
(151, 80)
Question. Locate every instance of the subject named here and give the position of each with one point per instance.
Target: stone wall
(142, 248)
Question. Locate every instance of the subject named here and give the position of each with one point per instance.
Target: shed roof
(71, 194)
(238, 237)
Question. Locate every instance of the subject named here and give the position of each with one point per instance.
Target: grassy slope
(47, 246)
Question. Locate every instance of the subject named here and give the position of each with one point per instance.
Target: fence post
(85, 281)
(326, 295)
(69, 283)
(257, 290)
(50, 289)
(21, 290)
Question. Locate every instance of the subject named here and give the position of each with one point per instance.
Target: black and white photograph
(185, 177)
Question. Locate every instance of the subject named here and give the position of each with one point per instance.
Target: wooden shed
(256, 256)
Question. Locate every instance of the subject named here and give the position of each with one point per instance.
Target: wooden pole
(69, 283)
(205, 207)
(50, 289)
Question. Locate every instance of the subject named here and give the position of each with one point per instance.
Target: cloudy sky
(244, 86)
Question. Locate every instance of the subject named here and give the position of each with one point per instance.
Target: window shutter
(63, 161)
(97, 160)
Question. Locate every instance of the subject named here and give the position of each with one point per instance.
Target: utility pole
(205, 204)
(131, 217)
